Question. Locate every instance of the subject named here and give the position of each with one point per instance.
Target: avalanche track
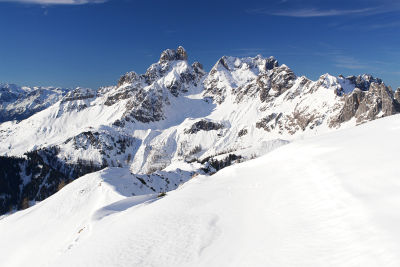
(331, 200)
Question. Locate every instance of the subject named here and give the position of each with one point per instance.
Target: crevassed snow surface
(331, 200)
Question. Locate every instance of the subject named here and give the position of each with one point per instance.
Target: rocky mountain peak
(128, 77)
(397, 95)
(171, 54)
(198, 68)
(271, 63)
(258, 63)
(79, 93)
(364, 81)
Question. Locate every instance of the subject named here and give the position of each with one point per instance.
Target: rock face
(351, 105)
(240, 77)
(203, 125)
(150, 93)
(127, 78)
(397, 95)
(170, 54)
(111, 148)
(377, 101)
(363, 82)
(275, 82)
(175, 115)
(79, 94)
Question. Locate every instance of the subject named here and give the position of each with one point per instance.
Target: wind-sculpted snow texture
(178, 118)
(314, 202)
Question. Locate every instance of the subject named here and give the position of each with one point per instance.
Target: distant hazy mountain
(18, 103)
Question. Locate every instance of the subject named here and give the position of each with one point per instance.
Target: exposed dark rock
(351, 104)
(119, 123)
(271, 63)
(128, 77)
(178, 86)
(378, 101)
(278, 80)
(248, 90)
(363, 82)
(203, 125)
(181, 53)
(122, 93)
(145, 107)
(242, 132)
(397, 95)
(213, 165)
(223, 61)
(107, 144)
(301, 119)
(72, 101)
(198, 68)
(113, 99)
(171, 54)
(78, 94)
(265, 123)
(147, 104)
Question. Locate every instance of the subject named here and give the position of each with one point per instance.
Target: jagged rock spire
(171, 54)
(397, 95)
(128, 77)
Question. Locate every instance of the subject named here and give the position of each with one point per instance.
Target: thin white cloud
(385, 25)
(342, 61)
(313, 12)
(56, 2)
(316, 12)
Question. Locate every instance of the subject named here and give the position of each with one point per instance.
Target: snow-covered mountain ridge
(18, 103)
(323, 201)
(176, 120)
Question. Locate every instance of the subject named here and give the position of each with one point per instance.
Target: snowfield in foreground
(331, 200)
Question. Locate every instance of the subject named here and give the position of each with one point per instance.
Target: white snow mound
(331, 200)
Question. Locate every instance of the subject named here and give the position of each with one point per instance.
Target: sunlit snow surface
(330, 200)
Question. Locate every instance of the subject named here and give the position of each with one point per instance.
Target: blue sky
(91, 43)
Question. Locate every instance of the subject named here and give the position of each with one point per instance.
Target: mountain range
(172, 123)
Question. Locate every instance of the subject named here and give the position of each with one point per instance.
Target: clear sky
(92, 42)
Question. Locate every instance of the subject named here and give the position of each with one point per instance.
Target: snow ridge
(257, 213)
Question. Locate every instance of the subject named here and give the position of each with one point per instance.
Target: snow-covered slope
(329, 200)
(176, 114)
